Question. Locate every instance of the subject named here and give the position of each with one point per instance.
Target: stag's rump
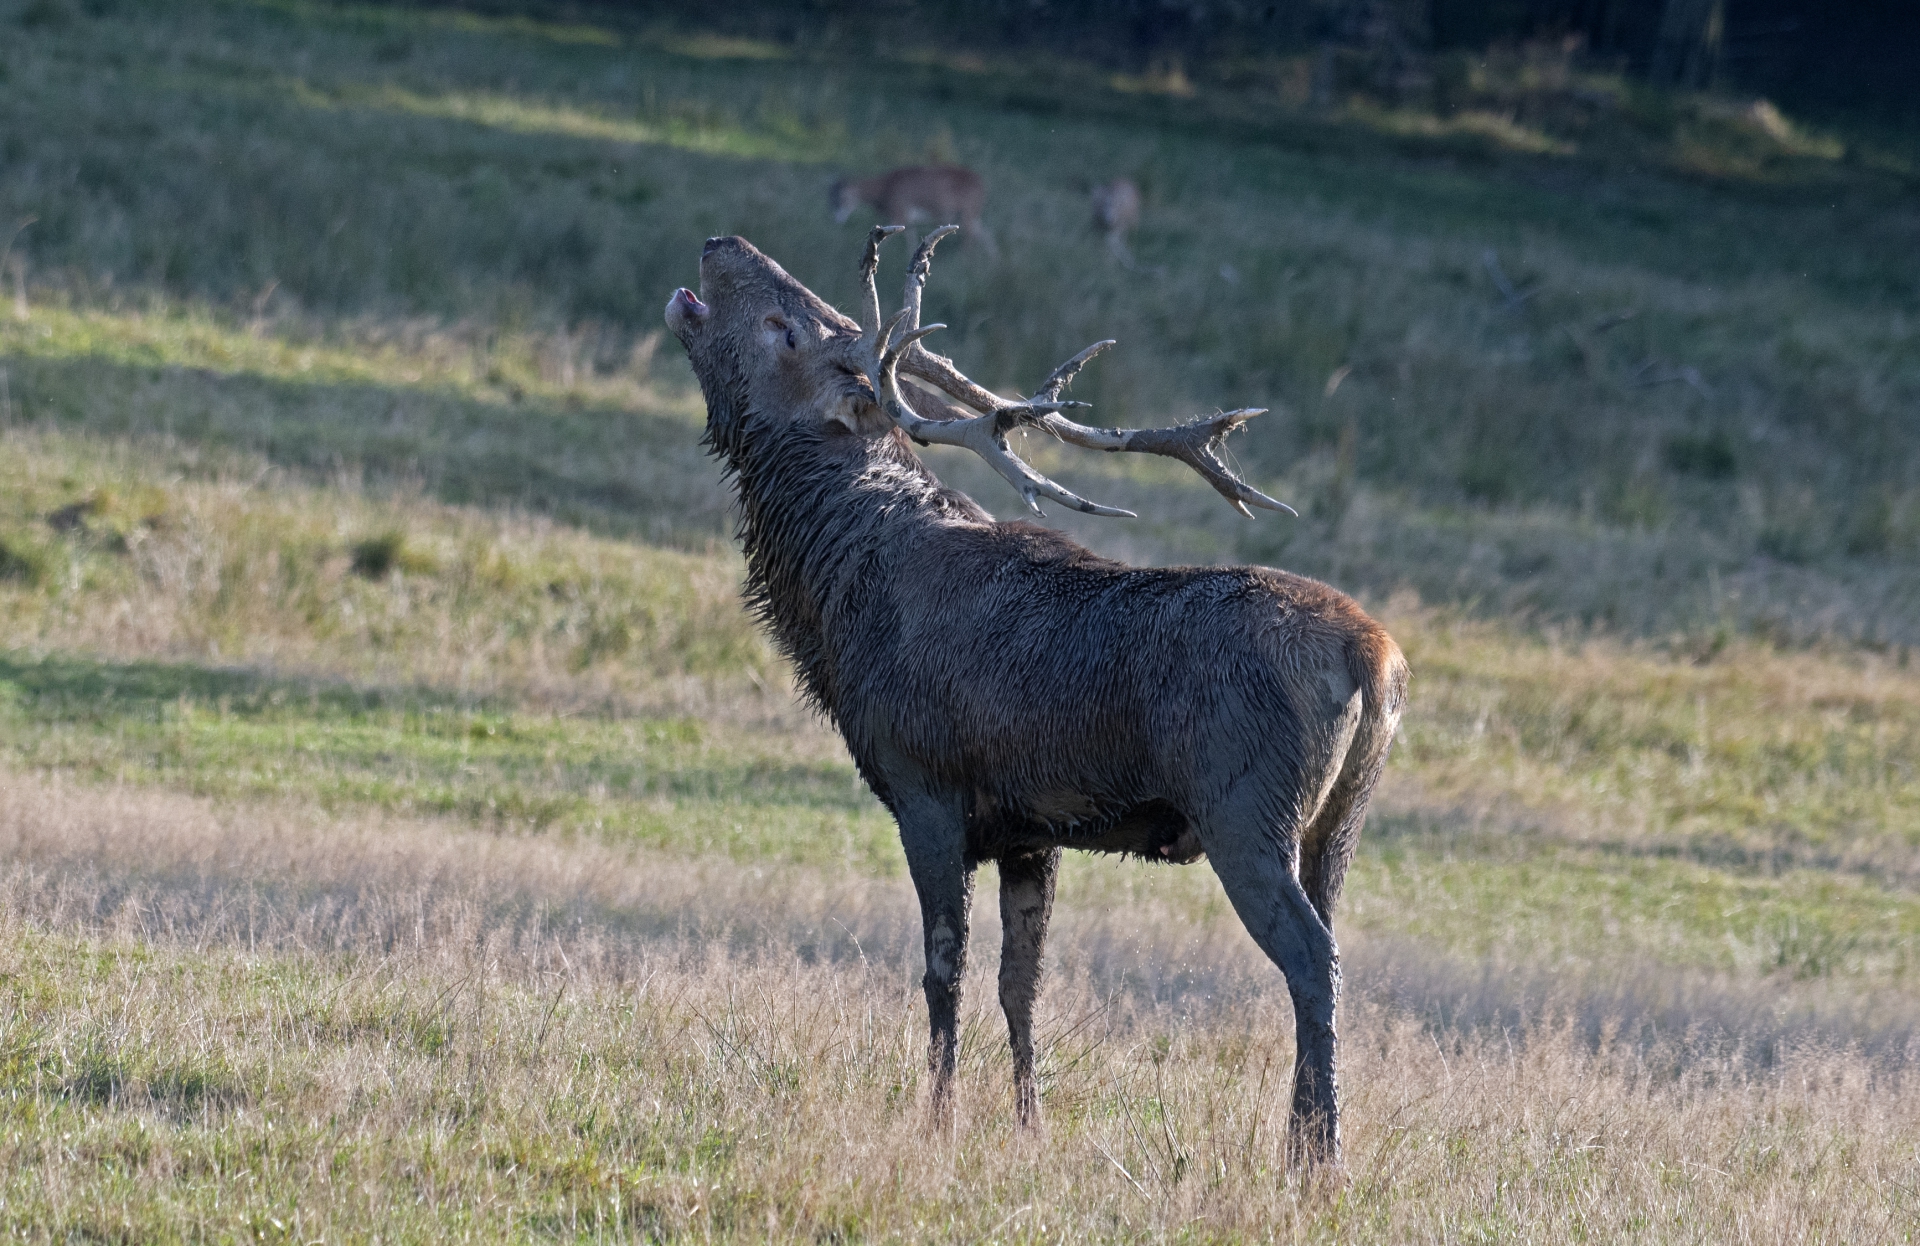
(1079, 701)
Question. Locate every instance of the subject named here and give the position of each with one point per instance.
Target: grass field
(406, 834)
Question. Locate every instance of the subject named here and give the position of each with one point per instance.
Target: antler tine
(884, 339)
(985, 435)
(1064, 374)
(1196, 443)
(907, 340)
(869, 265)
(938, 371)
(917, 272)
(920, 362)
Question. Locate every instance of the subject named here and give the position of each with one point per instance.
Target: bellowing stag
(1005, 692)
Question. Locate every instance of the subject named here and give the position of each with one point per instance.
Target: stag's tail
(1380, 672)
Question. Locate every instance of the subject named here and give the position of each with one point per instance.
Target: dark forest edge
(1849, 58)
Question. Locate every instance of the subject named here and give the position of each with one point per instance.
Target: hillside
(373, 664)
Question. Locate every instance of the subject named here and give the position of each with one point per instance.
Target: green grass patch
(524, 422)
(675, 784)
(1535, 901)
(124, 552)
(694, 788)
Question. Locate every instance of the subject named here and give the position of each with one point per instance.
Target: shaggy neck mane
(815, 505)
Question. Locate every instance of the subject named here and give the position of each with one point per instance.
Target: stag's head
(768, 350)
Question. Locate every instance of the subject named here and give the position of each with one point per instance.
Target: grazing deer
(1116, 210)
(1005, 692)
(941, 192)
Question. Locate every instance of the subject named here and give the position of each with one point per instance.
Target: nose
(713, 244)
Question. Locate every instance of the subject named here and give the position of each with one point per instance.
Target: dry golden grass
(244, 1022)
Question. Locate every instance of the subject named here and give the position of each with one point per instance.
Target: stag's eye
(776, 328)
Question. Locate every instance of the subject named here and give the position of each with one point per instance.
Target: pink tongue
(693, 302)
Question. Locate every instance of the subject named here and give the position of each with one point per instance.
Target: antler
(1196, 443)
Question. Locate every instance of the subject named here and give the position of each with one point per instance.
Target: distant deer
(941, 192)
(1116, 211)
(1005, 692)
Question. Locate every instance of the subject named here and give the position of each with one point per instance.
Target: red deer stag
(941, 192)
(1005, 692)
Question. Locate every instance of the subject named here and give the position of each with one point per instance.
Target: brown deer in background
(941, 192)
(1005, 692)
(1116, 211)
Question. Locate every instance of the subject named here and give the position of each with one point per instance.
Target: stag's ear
(852, 407)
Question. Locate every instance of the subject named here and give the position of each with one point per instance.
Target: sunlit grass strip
(673, 785)
(566, 34)
(522, 116)
(127, 562)
(186, 336)
(1541, 902)
(180, 335)
(1502, 132)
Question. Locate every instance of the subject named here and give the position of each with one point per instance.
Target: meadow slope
(404, 832)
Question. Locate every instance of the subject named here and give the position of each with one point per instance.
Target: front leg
(933, 832)
(1026, 902)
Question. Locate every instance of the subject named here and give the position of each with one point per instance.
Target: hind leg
(1026, 902)
(1248, 855)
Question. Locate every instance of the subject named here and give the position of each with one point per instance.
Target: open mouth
(688, 303)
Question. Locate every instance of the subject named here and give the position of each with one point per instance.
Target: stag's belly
(1154, 829)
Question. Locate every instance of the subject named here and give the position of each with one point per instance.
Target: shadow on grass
(178, 1091)
(250, 734)
(68, 689)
